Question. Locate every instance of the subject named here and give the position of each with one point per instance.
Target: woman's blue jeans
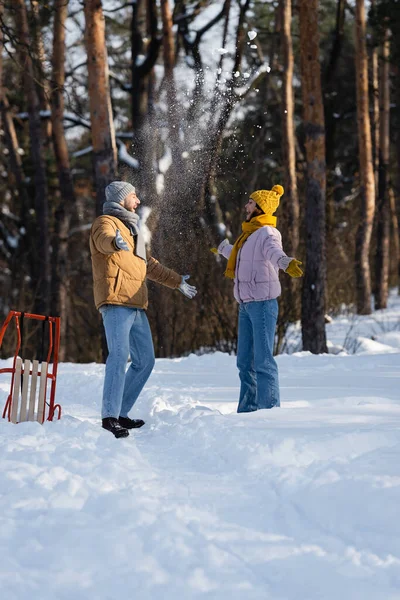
(127, 333)
(258, 370)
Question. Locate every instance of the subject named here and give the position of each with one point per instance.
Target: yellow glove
(293, 268)
(214, 250)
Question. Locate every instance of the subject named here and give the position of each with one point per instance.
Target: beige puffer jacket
(119, 277)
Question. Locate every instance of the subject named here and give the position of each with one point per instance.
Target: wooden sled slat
(24, 394)
(15, 397)
(42, 389)
(32, 395)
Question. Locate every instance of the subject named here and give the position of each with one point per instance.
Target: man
(254, 262)
(120, 267)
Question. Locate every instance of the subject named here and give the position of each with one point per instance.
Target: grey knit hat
(117, 191)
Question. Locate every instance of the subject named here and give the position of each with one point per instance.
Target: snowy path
(296, 503)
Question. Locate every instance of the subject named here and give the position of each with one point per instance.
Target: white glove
(187, 290)
(119, 241)
(222, 246)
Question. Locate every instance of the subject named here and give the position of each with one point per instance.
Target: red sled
(27, 401)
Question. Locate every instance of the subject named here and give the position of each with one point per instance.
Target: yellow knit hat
(268, 200)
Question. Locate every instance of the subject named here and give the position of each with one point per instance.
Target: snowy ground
(297, 503)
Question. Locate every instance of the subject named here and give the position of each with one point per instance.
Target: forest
(198, 104)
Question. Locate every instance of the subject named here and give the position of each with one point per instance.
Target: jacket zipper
(237, 271)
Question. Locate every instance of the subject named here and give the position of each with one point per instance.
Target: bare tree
(169, 81)
(43, 271)
(375, 103)
(367, 182)
(67, 201)
(102, 126)
(291, 199)
(1, 57)
(142, 94)
(383, 206)
(142, 69)
(313, 298)
(395, 238)
(39, 54)
(332, 103)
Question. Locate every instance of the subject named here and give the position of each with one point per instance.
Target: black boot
(113, 425)
(130, 423)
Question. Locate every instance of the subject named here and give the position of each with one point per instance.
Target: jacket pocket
(261, 274)
(118, 283)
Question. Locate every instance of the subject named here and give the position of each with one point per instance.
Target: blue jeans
(127, 332)
(258, 370)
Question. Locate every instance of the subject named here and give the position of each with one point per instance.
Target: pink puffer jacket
(258, 264)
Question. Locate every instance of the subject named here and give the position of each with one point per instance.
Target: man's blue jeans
(258, 370)
(127, 332)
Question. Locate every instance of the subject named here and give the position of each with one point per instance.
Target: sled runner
(27, 398)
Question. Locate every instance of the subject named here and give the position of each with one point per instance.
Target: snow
(221, 50)
(125, 157)
(165, 161)
(294, 503)
(82, 152)
(145, 212)
(160, 183)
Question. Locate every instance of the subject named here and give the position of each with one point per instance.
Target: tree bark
(103, 134)
(331, 99)
(142, 93)
(1, 60)
(383, 208)
(67, 201)
(43, 89)
(367, 182)
(290, 300)
(291, 199)
(396, 178)
(375, 105)
(313, 297)
(169, 63)
(43, 270)
(332, 103)
(395, 253)
(142, 70)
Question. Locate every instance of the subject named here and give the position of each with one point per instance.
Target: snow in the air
(296, 503)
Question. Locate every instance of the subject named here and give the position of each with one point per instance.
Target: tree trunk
(43, 89)
(102, 126)
(331, 99)
(142, 73)
(383, 208)
(291, 199)
(396, 182)
(141, 70)
(1, 60)
(42, 251)
(313, 298)
(375, 104)
(395, 253)
(67, 200)
(332, 103)
(169, 63)
(289, 303)
(367, 183)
